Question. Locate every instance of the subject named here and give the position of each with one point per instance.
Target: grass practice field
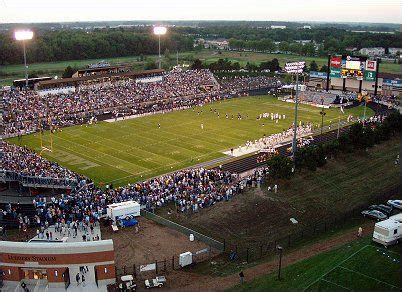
(131, 150)
(10, 72)
(360, 265)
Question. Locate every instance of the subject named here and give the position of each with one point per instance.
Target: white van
(122, 209)
(387, 232)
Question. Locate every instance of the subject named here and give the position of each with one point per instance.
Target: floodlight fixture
(23, 35)
(160, 30)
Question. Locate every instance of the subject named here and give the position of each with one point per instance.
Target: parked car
(375, 214)
(127, 283)
(159, 281)
(387, 210)
(395, 203)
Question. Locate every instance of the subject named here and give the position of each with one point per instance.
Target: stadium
(116, 179)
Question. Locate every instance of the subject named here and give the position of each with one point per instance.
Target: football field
(131, 150)
(360, 265)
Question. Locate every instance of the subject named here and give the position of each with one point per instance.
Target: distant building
(303, 42)
(351, 49)
(221, 44)
(278, 26)
(307, 27)
(372, 52)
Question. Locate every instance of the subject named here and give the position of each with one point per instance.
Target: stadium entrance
(54, 265)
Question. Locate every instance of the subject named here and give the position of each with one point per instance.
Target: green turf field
(131, 150)
(360, 265)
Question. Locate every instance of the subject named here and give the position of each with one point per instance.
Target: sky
(20, 11)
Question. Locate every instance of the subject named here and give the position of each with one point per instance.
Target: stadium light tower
(24, 35)
(159, 30)
(295, 68)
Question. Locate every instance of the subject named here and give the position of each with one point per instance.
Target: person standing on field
(241, 275)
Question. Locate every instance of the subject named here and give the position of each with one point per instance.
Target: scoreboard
(353, 67)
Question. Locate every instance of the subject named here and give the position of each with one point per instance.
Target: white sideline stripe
(349, 257)
(336, 284)
(364, 275)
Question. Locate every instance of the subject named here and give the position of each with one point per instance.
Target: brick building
(55, 265)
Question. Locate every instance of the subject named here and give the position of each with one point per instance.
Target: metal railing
(36, 181)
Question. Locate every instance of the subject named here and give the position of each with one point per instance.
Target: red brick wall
(100, 272)
(16, 273)
(51, 274)
(58, 259)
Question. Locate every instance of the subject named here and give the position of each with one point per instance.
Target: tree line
(333, 39)
(52, 46)
(227, 65)
(358, 137)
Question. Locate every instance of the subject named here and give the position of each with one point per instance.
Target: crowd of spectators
(389, 100)
(26, 162)
(27, 111)
(190, 189)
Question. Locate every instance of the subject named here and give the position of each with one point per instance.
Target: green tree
(197, 64)
(324, 68)
(280, 167)
(313, 66)
(150, 64)
(68, 72)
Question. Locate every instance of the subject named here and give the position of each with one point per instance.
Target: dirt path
(185, 281)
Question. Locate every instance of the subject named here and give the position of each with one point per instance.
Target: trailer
(387, 232)
(129, 208)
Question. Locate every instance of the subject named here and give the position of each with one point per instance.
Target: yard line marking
(385, 250)
(337, 284)
(103, 153)
(349, 257)
(364, 275)
(91, 157)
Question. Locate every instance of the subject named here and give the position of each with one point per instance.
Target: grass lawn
(344, 183)
(360, 265)
(131, 150)
(11, 72)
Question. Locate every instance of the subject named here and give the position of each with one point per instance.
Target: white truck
(388, 232)
(131, 208)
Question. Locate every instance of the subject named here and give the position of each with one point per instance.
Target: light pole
(159, 30)
(322, 113)
(280, 250)
(296, 67)
(24, 35)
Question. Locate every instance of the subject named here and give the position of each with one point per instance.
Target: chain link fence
(185, 230)
(258, 250)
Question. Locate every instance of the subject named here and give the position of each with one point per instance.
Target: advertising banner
(336, 62)
(369, 75)
(316, 74)
(392, 82)
(371, 65)
(335, 73)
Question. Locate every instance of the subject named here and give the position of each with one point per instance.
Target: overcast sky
(387, 11)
